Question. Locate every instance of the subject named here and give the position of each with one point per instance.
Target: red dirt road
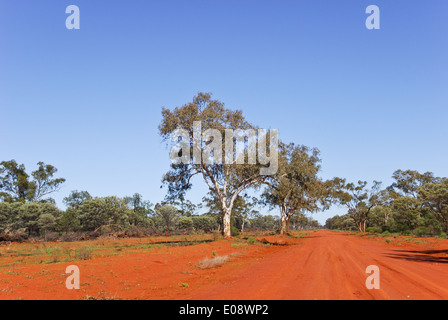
(321, 265)
(329, 265)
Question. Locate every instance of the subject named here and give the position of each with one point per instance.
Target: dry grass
(83, 253)
(212, 262)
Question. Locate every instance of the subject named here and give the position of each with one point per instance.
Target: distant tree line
(27, 210)
(415, 203)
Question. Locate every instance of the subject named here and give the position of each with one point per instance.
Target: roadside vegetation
(415, 204)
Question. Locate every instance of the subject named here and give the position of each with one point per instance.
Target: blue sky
(88, 101)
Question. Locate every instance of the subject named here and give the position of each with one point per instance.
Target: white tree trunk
(227, 232)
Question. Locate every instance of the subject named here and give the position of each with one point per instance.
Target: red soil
(322, 265)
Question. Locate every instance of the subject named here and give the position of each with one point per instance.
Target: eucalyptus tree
(359, 199)
(408, 183)
(166, 215)
(17, 185)
(412, 195)
(435, 197)
(243, 208)
(197, 154)
(76, 198)
(296, 188)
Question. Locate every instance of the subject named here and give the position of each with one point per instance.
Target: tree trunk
(227, 232)
(361, 226)
(358, 225)
(283, 219)
(283, 228)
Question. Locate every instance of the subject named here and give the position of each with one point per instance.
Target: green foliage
(5, 215)
(251, 240)
(183, 285)
(167, 216)
(205, 223)
(17, 185)
(226, 181)
(184, 223)
(234, 231)
(434, 197)
(265, 222)
(46, 222)
(358, 199)
(14, 182)
(97, 212)
(28, 215)
(34, 217)
(374, 229)
(415, 204)
(76, 198)
(69, 221)
(344, 222)
(296, 187)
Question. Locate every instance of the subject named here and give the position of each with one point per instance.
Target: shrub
(51, 236)
(46, 222)
(183, 285)
(14, 235)
(251, 240)
(69, 221)
(95, 213)
(212, 262)
(204, 223)
(71, 236)
(234, 231)
(420, 231)
(184, 223)
(374, 229)
(5, 213)
(386, 233)
(83, 253)
(166, 215)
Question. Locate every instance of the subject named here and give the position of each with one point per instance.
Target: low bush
(14, 235)
(212, 262)
(83, 253)
(374, 229)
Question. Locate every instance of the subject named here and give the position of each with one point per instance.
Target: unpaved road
(322, 265)
(330, 265)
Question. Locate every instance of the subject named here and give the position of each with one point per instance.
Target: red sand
(322, 265)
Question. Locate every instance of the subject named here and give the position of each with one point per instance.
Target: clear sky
(89, 101)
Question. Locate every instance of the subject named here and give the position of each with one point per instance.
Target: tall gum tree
(296, 188)
(16, 185)
(227, 179)
(359, 199)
